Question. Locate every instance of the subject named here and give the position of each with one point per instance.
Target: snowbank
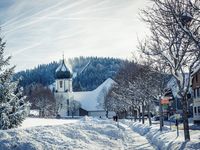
(33, 122)
(167, 139)
(86, 134)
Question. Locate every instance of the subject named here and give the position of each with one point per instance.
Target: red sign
(165, 101)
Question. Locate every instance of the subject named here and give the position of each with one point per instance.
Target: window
(61, 84)
(195, 110)
(68, 102)
(199, 110)
(198, 92)
(194, 94)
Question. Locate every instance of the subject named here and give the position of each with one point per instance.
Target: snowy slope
(86, 134)
(90, 100)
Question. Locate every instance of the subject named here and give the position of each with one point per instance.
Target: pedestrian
(116, 118)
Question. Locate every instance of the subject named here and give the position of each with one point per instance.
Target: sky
(40, 31)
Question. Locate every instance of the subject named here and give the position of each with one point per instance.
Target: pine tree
(13, 108)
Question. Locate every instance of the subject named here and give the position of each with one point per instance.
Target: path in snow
(86, 134)
(133, 140)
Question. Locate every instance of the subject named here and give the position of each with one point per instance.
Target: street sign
(165, 100)
(165, 106)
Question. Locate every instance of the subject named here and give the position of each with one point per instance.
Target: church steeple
(62, 72)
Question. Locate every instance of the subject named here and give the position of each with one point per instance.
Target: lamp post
(161, 113)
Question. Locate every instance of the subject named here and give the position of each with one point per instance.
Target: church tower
(63, 90)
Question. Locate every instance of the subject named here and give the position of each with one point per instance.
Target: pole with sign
(177, 116)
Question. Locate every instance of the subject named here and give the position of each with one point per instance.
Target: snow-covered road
(88, 134)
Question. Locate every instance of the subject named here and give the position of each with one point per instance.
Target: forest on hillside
(88, 72)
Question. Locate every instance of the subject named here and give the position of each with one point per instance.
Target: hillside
(89, 72)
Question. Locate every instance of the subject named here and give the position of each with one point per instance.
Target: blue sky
(39, 31)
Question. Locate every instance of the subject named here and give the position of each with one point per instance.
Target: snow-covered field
(33, 122)
(86, 133)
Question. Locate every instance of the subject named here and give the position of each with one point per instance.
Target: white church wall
(59, 87)
(61, 103)
(66, 85)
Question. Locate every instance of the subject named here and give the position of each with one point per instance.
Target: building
(196, 95)
(176, 102)
(91, 102)
(63, 89)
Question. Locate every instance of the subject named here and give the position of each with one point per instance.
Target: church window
(61, 84)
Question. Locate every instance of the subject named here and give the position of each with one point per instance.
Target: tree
(174, 39)
(42, 99)
(13, 109)
(136, 88)
(74, 107)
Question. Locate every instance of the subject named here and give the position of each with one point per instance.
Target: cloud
(42, 29)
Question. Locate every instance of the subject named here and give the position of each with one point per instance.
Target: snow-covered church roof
(93, 100)
(62, 72)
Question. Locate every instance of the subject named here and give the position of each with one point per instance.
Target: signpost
(177, 116)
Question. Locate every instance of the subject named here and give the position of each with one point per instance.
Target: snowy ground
(87, 133)
(167, 139)
(33, 122)
(93, 134)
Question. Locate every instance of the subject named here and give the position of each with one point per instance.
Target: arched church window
(61, 84)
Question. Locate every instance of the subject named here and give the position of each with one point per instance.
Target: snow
(87, 133)
(33, 122)
(197, 68)
(173, 85)
(34, 112)
(94, 133)
(90, 99)
(167, 139)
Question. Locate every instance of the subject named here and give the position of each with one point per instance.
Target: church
(91, 102)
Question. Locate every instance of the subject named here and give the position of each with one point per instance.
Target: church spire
(63, 55)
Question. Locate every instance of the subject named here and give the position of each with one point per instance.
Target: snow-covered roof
(197, 68)
(173, 85)
(92, 100)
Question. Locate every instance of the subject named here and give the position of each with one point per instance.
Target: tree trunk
(106, 113)
(139, 114)
(143, 113)
(135, 115)
(149, 114)
(185, 120)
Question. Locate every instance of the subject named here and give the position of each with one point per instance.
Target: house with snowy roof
(196, 95)
(176, 104)
(91, 102)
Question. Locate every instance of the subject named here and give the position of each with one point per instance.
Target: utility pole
(161, 114)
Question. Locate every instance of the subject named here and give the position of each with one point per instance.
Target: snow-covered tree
(174, 39)
(13, 108)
